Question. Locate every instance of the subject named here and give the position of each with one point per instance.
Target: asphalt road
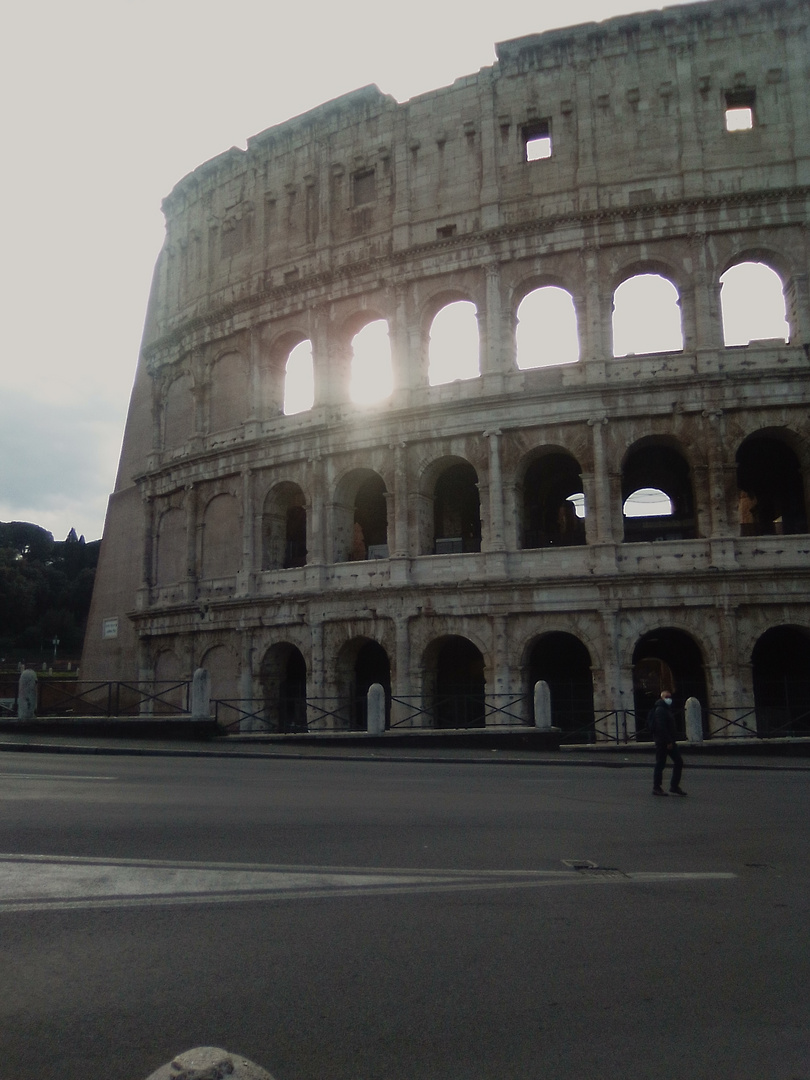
(408, 921)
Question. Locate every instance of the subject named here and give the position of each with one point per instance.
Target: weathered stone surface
(427, 541)
(210, 1063)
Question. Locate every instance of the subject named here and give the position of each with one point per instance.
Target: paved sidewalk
(793, 755)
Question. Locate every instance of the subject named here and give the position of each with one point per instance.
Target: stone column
(405, 369)
(315, 517)
(248, 523)
(496, 357)
(398, 537)
(708, 323)
(593, 319)
(150, 543)
(599, 519)
(192, 529)
(495, 540)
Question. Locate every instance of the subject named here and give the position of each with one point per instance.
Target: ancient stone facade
(433, 541)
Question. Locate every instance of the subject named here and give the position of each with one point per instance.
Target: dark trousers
(661, 751)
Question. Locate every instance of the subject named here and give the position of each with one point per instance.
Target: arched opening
(362, 663)
(299, 379)
(459, 685)
(360, 517)
(752, 302)
(657, 500)
(546, 333)
(222, 538)
(223, 669)
(229, 393)
(668, 659)
(646, 316)
(456, 510)
(172, 554)
(454, 348)
(553, 502)
(284, 528)
(771, 488)
(370, 535)
(562, 661)
(178, 414)
(283, 676)
(372, 371)
(781, 671)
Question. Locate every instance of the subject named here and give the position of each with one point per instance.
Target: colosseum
(445, 395)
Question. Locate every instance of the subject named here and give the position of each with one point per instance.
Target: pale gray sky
(108, 103)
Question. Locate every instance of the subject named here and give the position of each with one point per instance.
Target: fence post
(542, 706)
(694, 721)
(27, 695)
(375, 723)
(201, 695)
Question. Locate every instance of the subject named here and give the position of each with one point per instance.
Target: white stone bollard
(542, 706)
(201, 695)
(27, 695)
(210, 1063)
(694, 720)
(375, 724)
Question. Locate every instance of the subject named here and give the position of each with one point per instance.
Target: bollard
(201, 695)
(27, 695)
(210, 1063)
(694, 721)
(542, 706)
(376, 709)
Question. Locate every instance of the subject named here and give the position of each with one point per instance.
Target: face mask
(668, 700)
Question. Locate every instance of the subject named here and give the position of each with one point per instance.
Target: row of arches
(454, 690)
(646, 319)
(656, 490)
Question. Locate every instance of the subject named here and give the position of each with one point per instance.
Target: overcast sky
(107, 104)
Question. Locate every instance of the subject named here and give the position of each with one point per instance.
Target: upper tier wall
(635, 108)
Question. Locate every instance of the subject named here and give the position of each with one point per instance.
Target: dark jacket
(661, 722)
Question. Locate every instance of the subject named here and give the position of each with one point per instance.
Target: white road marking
(51, 776)
(53, 883)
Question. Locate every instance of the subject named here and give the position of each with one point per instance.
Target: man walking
(661, 723)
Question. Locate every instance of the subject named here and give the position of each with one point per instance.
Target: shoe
(658, 791)
(676, 791)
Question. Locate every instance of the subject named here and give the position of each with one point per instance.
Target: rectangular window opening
(739, 110)
(537, 140)
(363, 187)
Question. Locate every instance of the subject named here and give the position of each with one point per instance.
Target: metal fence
(61, 699)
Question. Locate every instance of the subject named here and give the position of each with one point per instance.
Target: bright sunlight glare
(647, 502)
(753, 305)
(454, 348)
(372, 377)
(299, 385)
(547, 329)
(646, 316)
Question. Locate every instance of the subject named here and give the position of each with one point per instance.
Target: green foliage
(45, 589)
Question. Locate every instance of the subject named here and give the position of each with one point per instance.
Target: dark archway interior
(371, 666)
(457, 510)
(370, 520)
(661, 467)
(562, 661)
(283, 677)
(781, 670)
(548, 518)
(295, 547)
(668, 656)
(460, 685)
(769, 479)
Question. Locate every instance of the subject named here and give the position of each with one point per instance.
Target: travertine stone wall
(368, 209)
